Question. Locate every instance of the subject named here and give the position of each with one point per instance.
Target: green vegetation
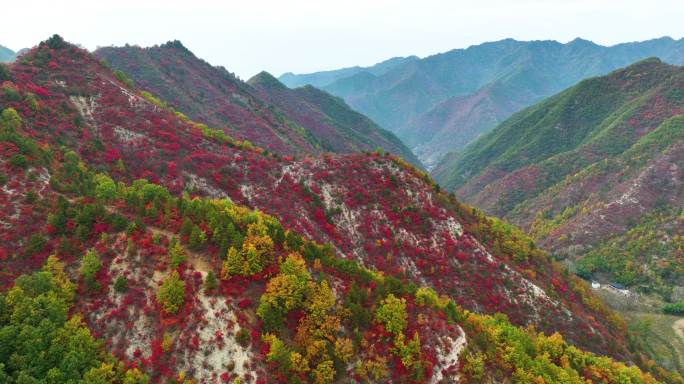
(553, 165)
(318, 346)
(255, 254)
(177, 254)
(624, 256)
(105, 189)
(29, 152)
(545, 221)
(124, 79)
(284, 292)
(40, 343)
(536, 358)
(4, 73)
(36, 243)
(56, 42)
(171, 293)
(392, 314)
(121, 284)
(154, 100)
(590, 113)
(90, 265)
(210, 281)
(654, 334)
(674, 308)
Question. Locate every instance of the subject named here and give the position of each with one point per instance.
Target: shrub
(35, 244)
(4, 73)
(255, 255)
(197, 238)
(392, 314)
(210, 282)
(674, 308)
(242, 337)
(19, 161)
(171, 293)
(121, 284)
(177, 254)
(324, 372)
(105, 188)
(10, 118)
(56, 42)
(90, 265)
(124, 79)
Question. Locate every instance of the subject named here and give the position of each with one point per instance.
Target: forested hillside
(197, 256)
(290, 123)
(339, 128)
(594, 173)
(440, 103)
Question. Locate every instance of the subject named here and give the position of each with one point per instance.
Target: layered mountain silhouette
(339, 128)
(6, 55)
(139, 205)
(594, 173)
(440, 103)
(294, 123)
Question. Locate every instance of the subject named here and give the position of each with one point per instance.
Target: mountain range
(594, 173)
(195, 255)
(6, 55)
(298, 122)
(440, 103)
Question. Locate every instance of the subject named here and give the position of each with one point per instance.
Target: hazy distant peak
(579, 40)
(6, 54)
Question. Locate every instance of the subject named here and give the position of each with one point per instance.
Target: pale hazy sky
(308, 35)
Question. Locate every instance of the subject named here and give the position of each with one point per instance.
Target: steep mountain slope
(593, 172)
(210, 95)
(158, 305)
(287, 123)
(337, 127)
(440, 103)
(375, 211)
(6, 55)
(457, 121)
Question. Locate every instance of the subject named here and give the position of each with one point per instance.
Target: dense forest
(146, 247)
(594, 174)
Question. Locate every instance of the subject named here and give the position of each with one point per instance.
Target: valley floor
(662, 336)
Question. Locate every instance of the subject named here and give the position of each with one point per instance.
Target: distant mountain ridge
(440, 103)
(339, 128)
(6, 55)
(594, 173)
(324, 78)
(214, 96)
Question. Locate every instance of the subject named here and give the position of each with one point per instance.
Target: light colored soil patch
(678, 327)
(196, 259)
(127, 136)
(194, 181)
(448, 358)
(219, 350)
